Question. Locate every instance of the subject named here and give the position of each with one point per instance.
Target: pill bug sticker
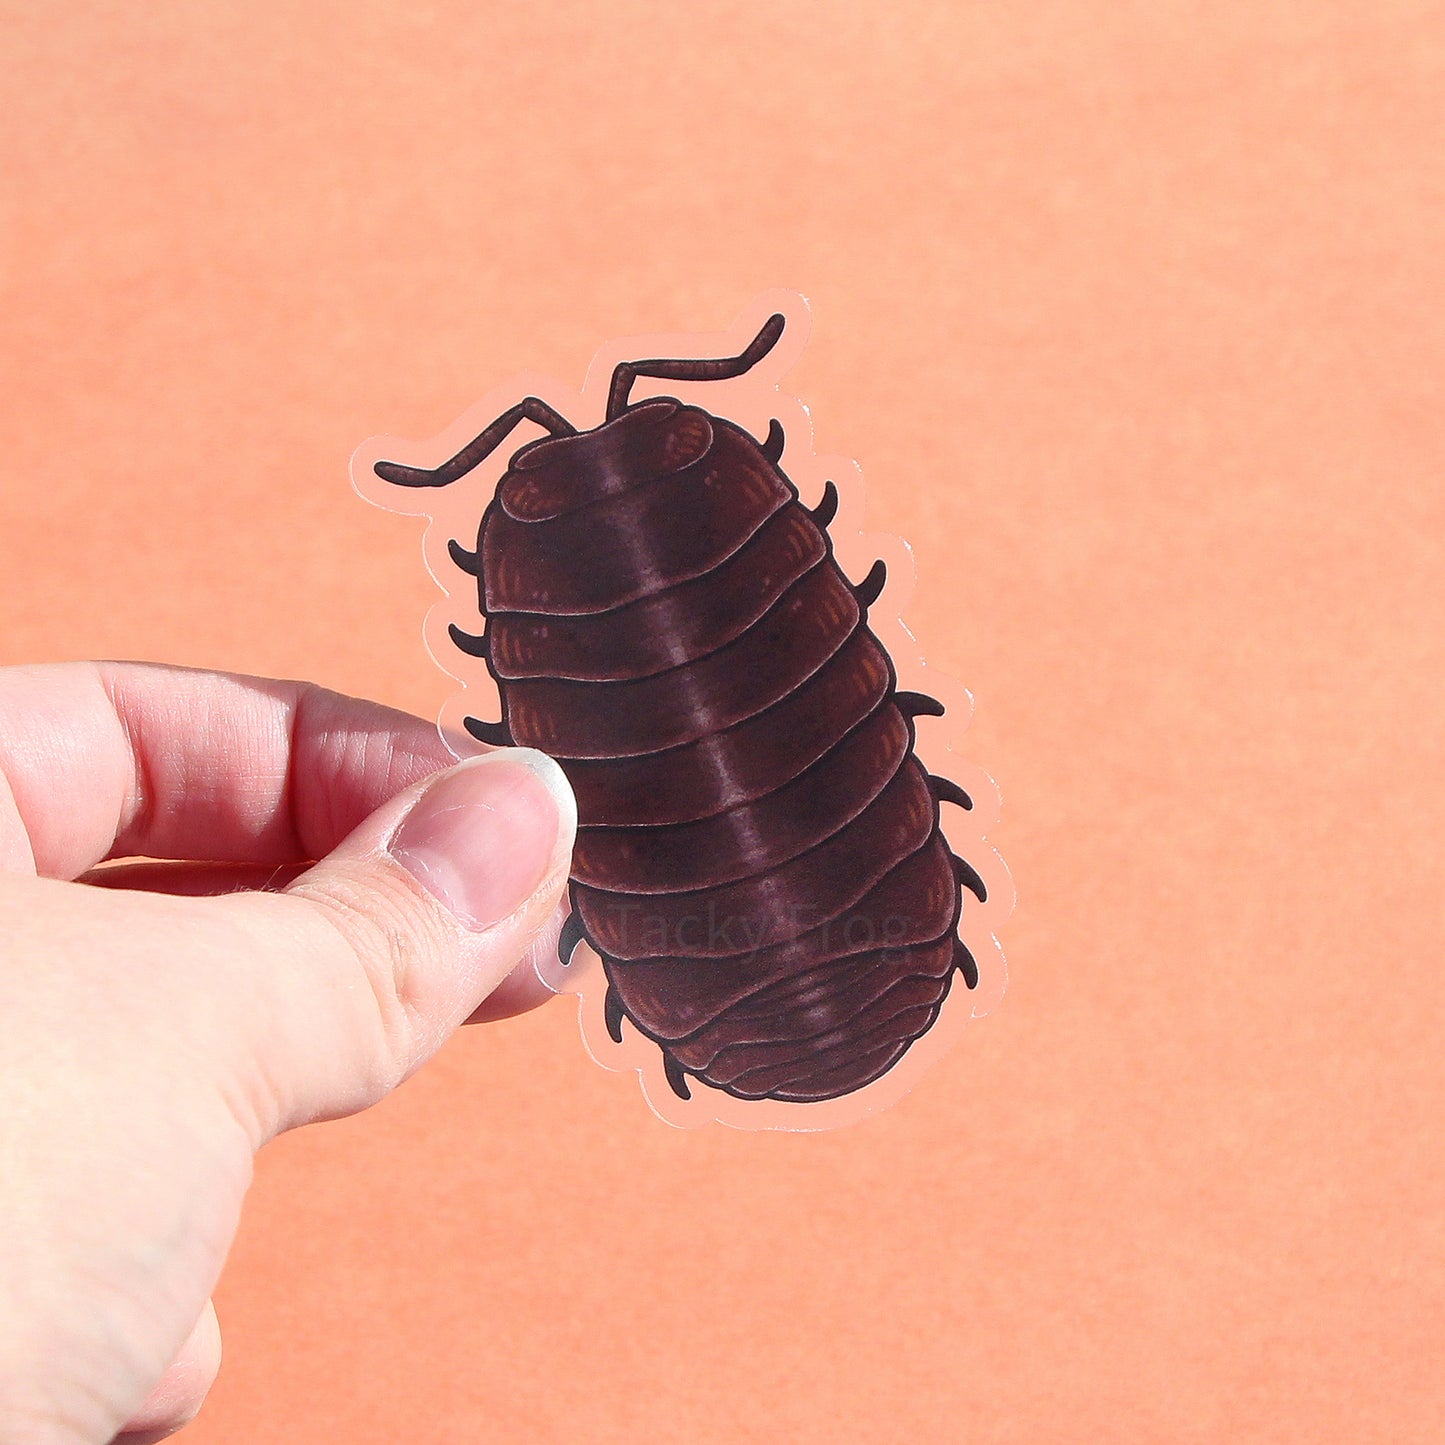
(783, 903)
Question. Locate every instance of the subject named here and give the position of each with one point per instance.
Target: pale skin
(159, 1022)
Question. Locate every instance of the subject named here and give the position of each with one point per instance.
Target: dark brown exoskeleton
(759, 862)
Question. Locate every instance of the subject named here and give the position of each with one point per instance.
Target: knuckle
(401, 952)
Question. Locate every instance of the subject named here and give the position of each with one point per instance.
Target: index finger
(111, 760)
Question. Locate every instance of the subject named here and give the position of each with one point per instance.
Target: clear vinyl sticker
(784, 904)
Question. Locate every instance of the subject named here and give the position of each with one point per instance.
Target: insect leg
(967, 875)
(964, 962)
(871, 587)
(772, 446)
(495, 734)
(613, 1009)
(911, 704)
(532, 408)
(569, 938)
(826, 509)
(469, 562)
(719, 369)
(471, 645)
(675, 1076)
(947, 791)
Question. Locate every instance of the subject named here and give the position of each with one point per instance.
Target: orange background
(1135, 317)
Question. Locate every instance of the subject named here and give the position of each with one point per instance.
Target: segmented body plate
(759, 861)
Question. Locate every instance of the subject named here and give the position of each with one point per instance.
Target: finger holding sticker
(762, 867)
(158, 1029)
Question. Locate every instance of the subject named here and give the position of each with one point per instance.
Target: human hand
(152, 1041)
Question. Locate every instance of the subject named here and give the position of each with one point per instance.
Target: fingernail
(487, 834)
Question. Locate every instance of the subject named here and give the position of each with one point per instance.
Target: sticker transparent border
(751, 401)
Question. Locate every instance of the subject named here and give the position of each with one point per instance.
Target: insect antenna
(532, 408)
(713, 369)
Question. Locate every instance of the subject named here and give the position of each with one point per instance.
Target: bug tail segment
(476, 451)
(713, 369)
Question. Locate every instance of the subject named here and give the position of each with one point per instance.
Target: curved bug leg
(675, 1076)
(826, 509)
(964, 962)
(568, 940)
(772, 446)
(870, 588)
(613, 1009)
(469, 562)
(495, 734)
(713, 369)
(473, 646)
(912, 704)
(532, 408)
(967, 875)
(947, 791)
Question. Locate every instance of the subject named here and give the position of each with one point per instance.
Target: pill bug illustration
(760, 863)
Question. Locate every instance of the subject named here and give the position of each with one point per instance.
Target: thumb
(375, 955)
